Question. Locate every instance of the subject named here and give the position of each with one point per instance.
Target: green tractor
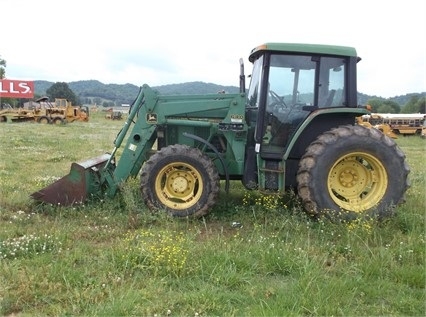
(294, 128)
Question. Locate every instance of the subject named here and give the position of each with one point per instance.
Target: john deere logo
(151, 117)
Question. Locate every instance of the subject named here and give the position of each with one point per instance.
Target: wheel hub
(179, 182)
(357, 182)
(349, 179)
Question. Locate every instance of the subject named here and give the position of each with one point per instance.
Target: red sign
(16, 88)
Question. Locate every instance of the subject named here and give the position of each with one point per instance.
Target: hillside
(126, 93)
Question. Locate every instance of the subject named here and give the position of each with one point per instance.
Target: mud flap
(83, 180)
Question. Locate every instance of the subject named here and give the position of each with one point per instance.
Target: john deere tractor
(294, 128)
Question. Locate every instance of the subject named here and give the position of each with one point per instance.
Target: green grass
(114, 257)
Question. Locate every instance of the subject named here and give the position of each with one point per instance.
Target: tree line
(116, 95)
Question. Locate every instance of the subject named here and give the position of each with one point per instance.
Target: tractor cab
(292, 87)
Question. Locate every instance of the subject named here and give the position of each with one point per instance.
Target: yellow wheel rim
(357, 182)
(179, 185)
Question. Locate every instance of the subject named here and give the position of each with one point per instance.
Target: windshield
(256, 76)
(291, 79)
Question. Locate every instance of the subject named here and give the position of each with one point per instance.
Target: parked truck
(294, 128)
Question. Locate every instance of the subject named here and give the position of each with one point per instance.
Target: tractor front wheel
(352, 171)
(180, 180)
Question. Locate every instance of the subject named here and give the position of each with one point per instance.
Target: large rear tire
(180, 180)
(351, 172)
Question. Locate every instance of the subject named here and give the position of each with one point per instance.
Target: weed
(27, 246)
(160, 252)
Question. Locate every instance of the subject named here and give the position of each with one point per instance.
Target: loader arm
(99, 176)
(151, 112)
(139, 142)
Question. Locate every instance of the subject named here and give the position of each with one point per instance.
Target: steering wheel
(276, 100)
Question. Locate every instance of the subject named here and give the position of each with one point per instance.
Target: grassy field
(252, 256)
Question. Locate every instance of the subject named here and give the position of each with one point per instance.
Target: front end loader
(295, 128)
(103, 176)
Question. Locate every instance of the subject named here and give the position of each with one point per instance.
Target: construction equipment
(399, 123)
(293, 129)
(46, 112)
(72, 113)
(114, 115)
(383, 127)
(28, 113)
(16, 114)
(43, 111)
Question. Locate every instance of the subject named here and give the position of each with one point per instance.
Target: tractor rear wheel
(351, 172)
(58, 120)
(180, 180)
(43, 120)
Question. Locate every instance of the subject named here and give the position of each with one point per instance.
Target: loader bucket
(83, 180)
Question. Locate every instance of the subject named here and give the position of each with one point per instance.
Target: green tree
(379, 105)
(108, 104)
(415, 105)
(421, 105)
(2, 68)
(384, 108)
(61, 90)
(375, 103)
(10, 101)
(97, 101)
(86, 101)
(392, 106)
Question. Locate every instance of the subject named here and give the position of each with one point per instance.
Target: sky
(175, 41)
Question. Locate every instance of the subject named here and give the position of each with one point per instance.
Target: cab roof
(303, 48)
